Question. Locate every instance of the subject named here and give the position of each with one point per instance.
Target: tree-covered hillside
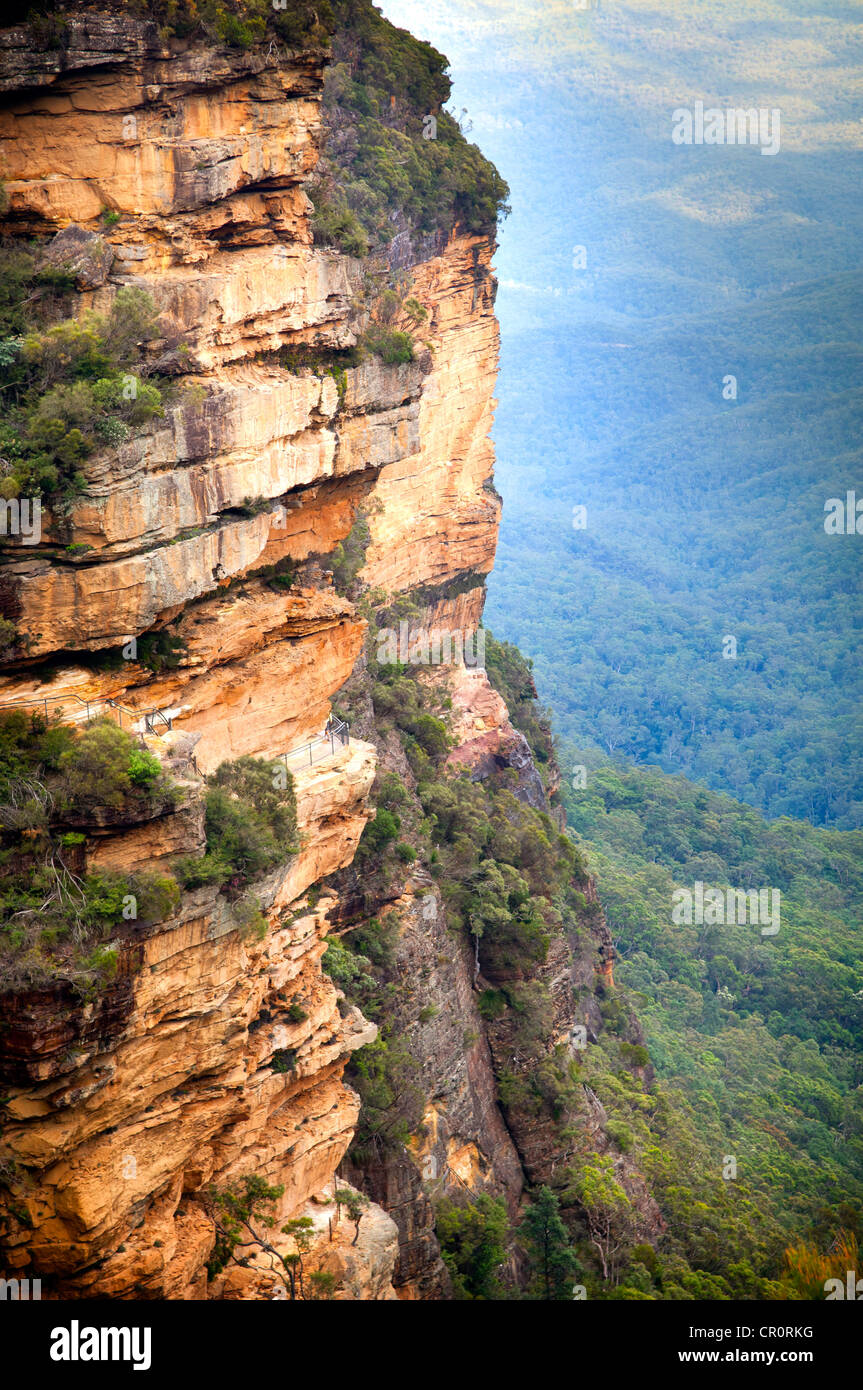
(755, 1040)
(704, 522)
(394, 158)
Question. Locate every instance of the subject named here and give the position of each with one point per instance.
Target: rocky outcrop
(483, 1127)
(438, 513)
(359, 1257)
(113, 117)
(462, 1144)
(124, 1110)
(485, 740)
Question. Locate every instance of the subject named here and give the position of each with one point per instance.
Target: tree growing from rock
(354, 1204)
(611, 1221)
(242, 1214)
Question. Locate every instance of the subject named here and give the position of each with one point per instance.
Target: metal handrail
(29, 704)
(93, 708)
(152, 718)
(337, 730)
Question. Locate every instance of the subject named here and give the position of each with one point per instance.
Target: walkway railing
(336, 734)
(148, 721)
(154, 721)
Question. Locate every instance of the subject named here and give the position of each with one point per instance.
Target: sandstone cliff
(286, 449)
(121, 1110)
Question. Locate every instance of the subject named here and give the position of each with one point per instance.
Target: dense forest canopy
(756, 1040)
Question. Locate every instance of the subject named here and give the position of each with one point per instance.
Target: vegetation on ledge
(238, 24)
(55, 917)
(393, 154)
(243, 23)
(251, 825)
(509, 881)
(69, 385)
(511, 674)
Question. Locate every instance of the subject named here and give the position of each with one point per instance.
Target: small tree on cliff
(238, 1212)
(473, 1238)
(355, 1204)
(546, 1243)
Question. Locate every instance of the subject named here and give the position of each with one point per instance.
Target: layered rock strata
(121, 1112)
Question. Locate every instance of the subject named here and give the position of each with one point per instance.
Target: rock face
(463, 1143)
(120, 1124)
(123, 1110)
(485, 740)
(437, 518)
(216, 1053)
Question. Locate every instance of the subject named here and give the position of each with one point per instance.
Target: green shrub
(322, 1284)
(144, 769)
(338, 226)
(346, 968)
(378, 833)
(108, 894)
(28, 294)
(492, 1004)
(31, 745)
(635, 1053)
(399, 696)
(349, 556)
(392, 346)
(200, 872)
(620, 1134)
(8, 634)
(431, 735)
(473, 1237)
(54, 917)
(160, 650)
(251, 824)
(278, 577)
(53, 924)
(250, 918)
(646, 1255)
(405, 852)
(68, 386)
(386, 1076)
(241, 23)
(106, 768)
(511, 674)
(376, 940)
(392, 791)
